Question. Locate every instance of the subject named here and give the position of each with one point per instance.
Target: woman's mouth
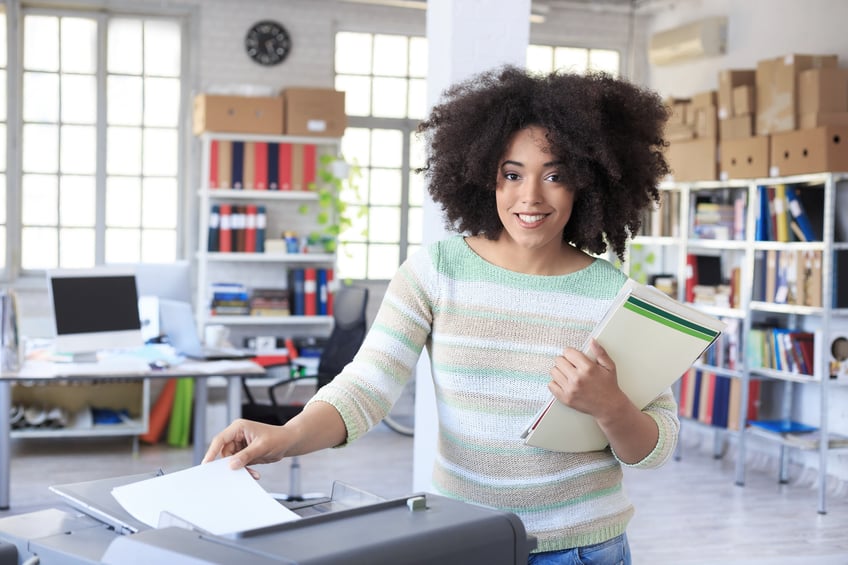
(531, 218)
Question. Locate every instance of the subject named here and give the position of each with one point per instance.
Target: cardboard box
(744, 101)
(736, 128)
(823, 90)
(706, 121)
(816, 119)
(238, 114)
(704, 99)
(744, 158)
(728, 79)
(693, 160)
(777, 89)
(678, 132)
(678, 110)
(805, 151)
(315, 112)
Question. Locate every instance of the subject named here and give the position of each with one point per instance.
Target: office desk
(122, 368)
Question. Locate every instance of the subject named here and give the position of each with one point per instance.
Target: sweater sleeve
(365, 390)
(663, 410)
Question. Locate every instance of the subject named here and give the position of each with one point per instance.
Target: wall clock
(267, 43)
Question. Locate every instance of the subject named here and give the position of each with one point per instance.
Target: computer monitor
(171, 281)
(166, 281)
(94, 309)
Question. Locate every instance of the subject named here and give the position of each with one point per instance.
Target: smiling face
(534, 203)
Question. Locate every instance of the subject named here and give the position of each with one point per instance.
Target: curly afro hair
(607, 132)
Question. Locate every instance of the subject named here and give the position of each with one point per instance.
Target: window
(384, 78)
(3, 126)
(386, 96)
(99, 139)
(546, 58)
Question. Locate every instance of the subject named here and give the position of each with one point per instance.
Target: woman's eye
(511, 176)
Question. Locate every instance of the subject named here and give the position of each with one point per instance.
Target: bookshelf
(277, 185)
(773, 288)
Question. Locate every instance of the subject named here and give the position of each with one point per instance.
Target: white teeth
(530, 219)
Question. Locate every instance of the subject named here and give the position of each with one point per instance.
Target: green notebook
(179, 429)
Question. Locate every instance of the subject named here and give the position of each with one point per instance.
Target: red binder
(160, 413)
(250, 229)
(310, 166)
(310, 292)
(225, 232)
(237, 227)
(260, 165)
(691, 276)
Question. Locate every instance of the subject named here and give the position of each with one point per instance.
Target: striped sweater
(492, 335)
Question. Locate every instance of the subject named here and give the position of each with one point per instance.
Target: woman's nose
(531, 191)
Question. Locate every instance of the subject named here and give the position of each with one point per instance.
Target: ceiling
(542, 7)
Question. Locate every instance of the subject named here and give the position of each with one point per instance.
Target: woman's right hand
(249, 443)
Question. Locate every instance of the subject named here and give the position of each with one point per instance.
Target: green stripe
(668, 319)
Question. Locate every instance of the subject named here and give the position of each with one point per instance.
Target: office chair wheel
(398, 426)
(402, 417)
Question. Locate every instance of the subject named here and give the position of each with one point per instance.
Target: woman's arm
(319, 426)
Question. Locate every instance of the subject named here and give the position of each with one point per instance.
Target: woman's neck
(550, 260)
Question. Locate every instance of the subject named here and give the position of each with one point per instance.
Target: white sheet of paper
(211, 496)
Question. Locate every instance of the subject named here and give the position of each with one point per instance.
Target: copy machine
(349, 527)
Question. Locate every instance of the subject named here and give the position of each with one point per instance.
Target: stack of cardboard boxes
(788, 116)
(297, 111)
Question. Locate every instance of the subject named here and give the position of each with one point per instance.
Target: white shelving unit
(672, 252)
(77, 396)
(259, 269)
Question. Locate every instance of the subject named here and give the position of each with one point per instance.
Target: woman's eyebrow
(519, 164)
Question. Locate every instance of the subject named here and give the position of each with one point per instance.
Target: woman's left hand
(584, 384)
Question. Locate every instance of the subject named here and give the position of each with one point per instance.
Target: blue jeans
(615, 551)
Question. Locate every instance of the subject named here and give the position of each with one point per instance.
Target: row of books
(722, 219)
(663, 220)
(715, 399)
(782, 349)
(236, 227)
(706, 284)
(788, 277)
(309, 293)
(782, 215)
(229, 299)
(269, 302)
(258, 165)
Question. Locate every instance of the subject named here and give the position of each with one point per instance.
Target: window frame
(406, 126)
(187, 19)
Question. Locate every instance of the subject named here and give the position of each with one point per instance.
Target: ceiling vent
(704, 38)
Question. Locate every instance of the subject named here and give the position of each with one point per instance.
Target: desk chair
(349, 328)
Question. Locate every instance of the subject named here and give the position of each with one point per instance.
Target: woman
(538, 174)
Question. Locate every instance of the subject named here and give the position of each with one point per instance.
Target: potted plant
(334, 175)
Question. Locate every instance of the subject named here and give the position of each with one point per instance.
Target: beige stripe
(249, 168)
(225, 164)
(297, 167)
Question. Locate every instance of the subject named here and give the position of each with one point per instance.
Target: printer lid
(94, 498)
